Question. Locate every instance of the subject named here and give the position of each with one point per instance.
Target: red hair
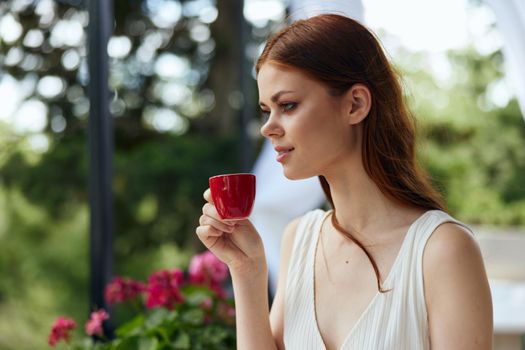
(340, 52)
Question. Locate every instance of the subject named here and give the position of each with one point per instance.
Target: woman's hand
(236, 243)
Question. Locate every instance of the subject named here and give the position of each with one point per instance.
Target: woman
(387, 268)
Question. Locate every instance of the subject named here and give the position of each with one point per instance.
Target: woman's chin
(292, 175)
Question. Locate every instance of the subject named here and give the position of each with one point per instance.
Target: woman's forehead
(277, 76)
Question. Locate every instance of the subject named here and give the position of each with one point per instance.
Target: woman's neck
(362, 208)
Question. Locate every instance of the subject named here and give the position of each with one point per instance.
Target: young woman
(387, 267)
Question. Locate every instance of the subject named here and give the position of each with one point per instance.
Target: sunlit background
(175, 100)
(429, 28)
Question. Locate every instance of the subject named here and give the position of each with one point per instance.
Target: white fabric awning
(510, 19)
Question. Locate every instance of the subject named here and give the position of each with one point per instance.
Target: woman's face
(306, 125)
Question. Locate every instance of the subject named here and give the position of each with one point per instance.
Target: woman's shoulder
(314, 215)
(451, 254)
(300, 224)
(447, 237)
(450, 239)
(457, 292)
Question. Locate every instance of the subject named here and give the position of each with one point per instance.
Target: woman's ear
(358, 102)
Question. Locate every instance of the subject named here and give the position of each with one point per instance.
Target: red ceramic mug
(233, 195)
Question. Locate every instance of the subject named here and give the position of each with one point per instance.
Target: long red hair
(340, 52)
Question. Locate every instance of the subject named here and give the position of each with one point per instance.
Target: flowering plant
(175, 312)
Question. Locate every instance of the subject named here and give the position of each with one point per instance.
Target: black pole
(100, 135)
(245, 87)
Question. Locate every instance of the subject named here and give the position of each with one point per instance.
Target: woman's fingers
(211, 211)
(207, 196)
(206, 231)
(206, 219)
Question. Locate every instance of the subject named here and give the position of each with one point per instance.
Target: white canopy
(510, 19)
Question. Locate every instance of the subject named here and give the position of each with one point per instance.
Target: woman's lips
(283, 154)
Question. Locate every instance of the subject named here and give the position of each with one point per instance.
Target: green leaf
(85, 344)
(193, 316)
(183, 341)
(132, 327)
(131, 343)
(195, 295)
(215, 335)
(161, 333)
(157, 317)
(148, 343)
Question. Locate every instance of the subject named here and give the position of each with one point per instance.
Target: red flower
(208, 270)
(120, 290)
(60, 330)
(94, 325)
(163, 289)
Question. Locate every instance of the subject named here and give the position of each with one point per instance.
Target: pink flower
(163, 289)
(94, 325)
(208, 270)
(120, 290)
(60, 330)
(207, 304)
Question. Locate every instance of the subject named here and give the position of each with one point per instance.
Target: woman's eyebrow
(276, 96)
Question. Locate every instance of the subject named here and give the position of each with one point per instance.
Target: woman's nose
(271, 128)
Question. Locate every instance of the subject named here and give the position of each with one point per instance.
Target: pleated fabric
(396, 320)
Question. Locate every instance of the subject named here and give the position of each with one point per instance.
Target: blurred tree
(167, 144)
(165, 149)
(225, 70)
(472, 143)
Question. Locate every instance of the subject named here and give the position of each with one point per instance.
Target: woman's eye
(286, 107)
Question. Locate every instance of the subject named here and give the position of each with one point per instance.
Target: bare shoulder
(450, 241)
(457, 292)
(290, 232)
(277, 310)
(452, 256)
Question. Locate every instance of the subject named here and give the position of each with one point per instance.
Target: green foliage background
(474, 150)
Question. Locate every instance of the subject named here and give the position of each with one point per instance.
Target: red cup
(233, 195)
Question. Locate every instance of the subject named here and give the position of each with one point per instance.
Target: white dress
(396, 320)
